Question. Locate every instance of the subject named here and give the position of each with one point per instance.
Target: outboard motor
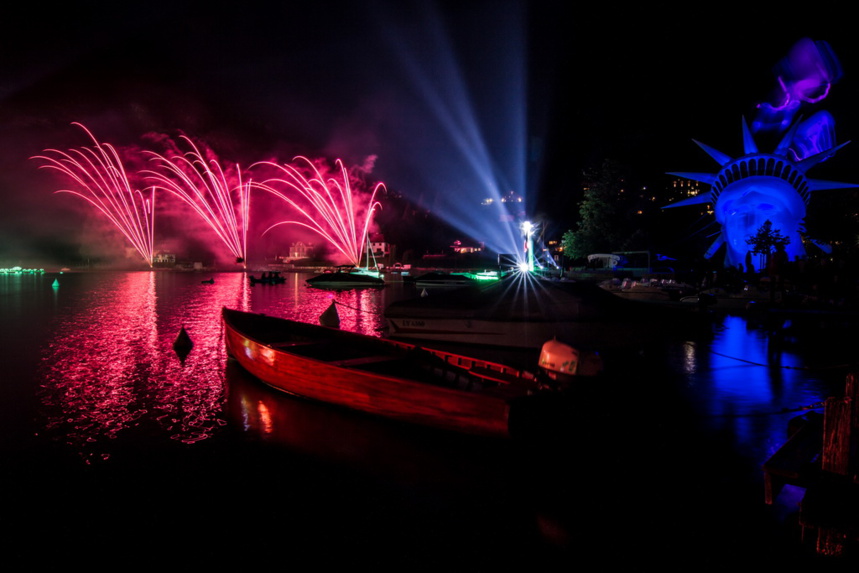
(560, 364)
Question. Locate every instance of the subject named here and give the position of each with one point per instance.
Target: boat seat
(293, 344)
(489, 375)
(361, 360)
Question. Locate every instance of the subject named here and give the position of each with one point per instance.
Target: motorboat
(442, 279)
(649, 289)
(523, 311)
(718, 298)
(347, 278)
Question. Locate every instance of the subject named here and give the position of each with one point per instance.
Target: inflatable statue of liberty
(748, 191)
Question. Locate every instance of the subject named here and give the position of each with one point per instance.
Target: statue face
(743, 207)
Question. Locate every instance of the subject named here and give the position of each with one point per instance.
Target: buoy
(330, 317)
(56, 283)
(183, 343)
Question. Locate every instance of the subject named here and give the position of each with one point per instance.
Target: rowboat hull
(288, 356)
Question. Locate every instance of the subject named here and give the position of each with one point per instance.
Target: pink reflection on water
(360, 310)
(90, 388)
(109, 369)
(188, 393)
(110, 365)
(365, 444)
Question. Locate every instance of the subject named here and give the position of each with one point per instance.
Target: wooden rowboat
(375, 375)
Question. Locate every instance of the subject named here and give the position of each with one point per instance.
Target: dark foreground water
(116, 452)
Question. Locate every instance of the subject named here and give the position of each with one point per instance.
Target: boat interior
(387, 358)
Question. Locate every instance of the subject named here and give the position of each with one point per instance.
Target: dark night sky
(259, 79)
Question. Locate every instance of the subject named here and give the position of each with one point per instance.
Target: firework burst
(101, 180)
(328, 206)
(219, 197)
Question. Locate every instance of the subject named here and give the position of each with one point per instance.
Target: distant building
(380, 249)
(555, 250)
(301, 250)
(463, 248)
(684, 189)
(164, 260)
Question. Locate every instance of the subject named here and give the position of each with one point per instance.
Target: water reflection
(360, 309)
(753, 377)
(359, 443)
(109, 365)
(189, 391)
(92, 368)
(111, 383)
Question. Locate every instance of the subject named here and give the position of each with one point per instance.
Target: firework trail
(103, 182)
(331, 211)
(207, 188)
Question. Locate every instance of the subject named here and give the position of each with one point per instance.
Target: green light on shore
(481, 276)
(20, 271)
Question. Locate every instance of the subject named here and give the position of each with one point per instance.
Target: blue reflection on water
(753, 377)
(742, 363)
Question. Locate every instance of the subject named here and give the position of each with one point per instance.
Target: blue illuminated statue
(758, 187)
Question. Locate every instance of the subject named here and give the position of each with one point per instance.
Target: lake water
(116, 450)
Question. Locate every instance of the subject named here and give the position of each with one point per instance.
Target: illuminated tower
(758, 187)
(528, 230)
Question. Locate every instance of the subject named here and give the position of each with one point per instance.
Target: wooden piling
(835, 458)
(823, 460)
(829, 506)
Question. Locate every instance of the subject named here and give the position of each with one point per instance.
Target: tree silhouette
(599, 228)
(766, 240)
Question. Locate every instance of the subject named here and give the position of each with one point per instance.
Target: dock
(820, 456)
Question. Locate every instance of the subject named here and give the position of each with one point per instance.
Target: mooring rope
(767, 365)
(338, 303)
(806, 408)
(753, 363)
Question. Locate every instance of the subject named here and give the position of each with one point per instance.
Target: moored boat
(441, 279)
(524, 312)
(347, 278)
(383, 377)
(272, 278)
(655, 290)
(718, 298)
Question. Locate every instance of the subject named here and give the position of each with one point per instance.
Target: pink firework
(221, 199)
(328, 207)
(101, 180)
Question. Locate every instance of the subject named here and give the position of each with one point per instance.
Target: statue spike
(749, 145)
(721, 158)
(785, 142)
(810, 162)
